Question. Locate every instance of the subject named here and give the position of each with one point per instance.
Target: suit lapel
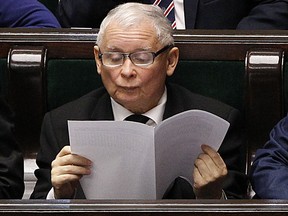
(190, 11)
(175, 103)
(103, 109)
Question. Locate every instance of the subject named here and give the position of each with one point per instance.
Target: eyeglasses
(141, 58)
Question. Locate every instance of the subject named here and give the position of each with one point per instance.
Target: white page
(124, 154)
(123, 158)
(178, 144)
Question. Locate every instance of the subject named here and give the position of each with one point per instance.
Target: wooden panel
(145, 208)
(264, 94)
(193, 44)
(27, 92)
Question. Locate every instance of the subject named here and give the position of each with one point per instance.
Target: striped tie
(168, 5)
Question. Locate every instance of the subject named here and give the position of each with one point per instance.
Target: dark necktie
(169, 8)
(137, 118)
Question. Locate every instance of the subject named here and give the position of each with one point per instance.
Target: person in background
(189, 14)
(134, 54)
(269, 171)
(88, 14)
(11, 159)
(26, 13)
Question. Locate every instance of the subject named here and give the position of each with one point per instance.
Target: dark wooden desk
(144, 208)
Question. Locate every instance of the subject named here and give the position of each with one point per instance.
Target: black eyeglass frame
(127, 55)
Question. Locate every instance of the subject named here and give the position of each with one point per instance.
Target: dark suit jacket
(199, 14)
(97, 106)
(11, 160)
(269, 172)
(85, 13)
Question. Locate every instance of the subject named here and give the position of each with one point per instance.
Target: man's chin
(127, 97)
(133, 105)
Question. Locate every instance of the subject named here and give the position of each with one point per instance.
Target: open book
(136, 161)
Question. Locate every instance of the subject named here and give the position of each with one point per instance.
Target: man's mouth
(128, 88)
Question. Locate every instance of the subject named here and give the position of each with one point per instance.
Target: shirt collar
(155, 114)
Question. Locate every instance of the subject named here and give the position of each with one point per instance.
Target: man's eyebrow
(116, 49)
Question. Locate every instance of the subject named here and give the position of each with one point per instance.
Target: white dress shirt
(179, 14)
(155, 115)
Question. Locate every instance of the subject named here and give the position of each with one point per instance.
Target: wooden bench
(47, 68)
(144, 208)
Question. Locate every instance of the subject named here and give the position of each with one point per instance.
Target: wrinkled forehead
(144, 33)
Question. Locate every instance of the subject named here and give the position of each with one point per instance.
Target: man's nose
(128, 67)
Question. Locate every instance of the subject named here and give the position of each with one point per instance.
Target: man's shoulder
(81, 107)
(280, 130)
(182, 93)
(26, 13)
(191, 100)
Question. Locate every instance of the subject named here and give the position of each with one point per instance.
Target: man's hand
(209, 174)
(67, 169)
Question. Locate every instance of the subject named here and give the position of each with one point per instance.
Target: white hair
(131, 14)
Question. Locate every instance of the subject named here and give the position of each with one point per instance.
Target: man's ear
(97, 59)
(173, 57)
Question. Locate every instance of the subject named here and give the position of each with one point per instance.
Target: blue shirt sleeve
(269, 172)
(26, 13)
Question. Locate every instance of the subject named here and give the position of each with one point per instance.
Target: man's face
(136, 88)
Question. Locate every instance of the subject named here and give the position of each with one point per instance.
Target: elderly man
(134, 54)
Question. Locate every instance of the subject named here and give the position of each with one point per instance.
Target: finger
(66, 158)
(59, 180)
(66, 182)
(62, 158)
(205, 166)
(214, 155)
(69, 167)
(71, 170)
(64, 151)
(62, 175)
(198, 179)
(73, 159)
